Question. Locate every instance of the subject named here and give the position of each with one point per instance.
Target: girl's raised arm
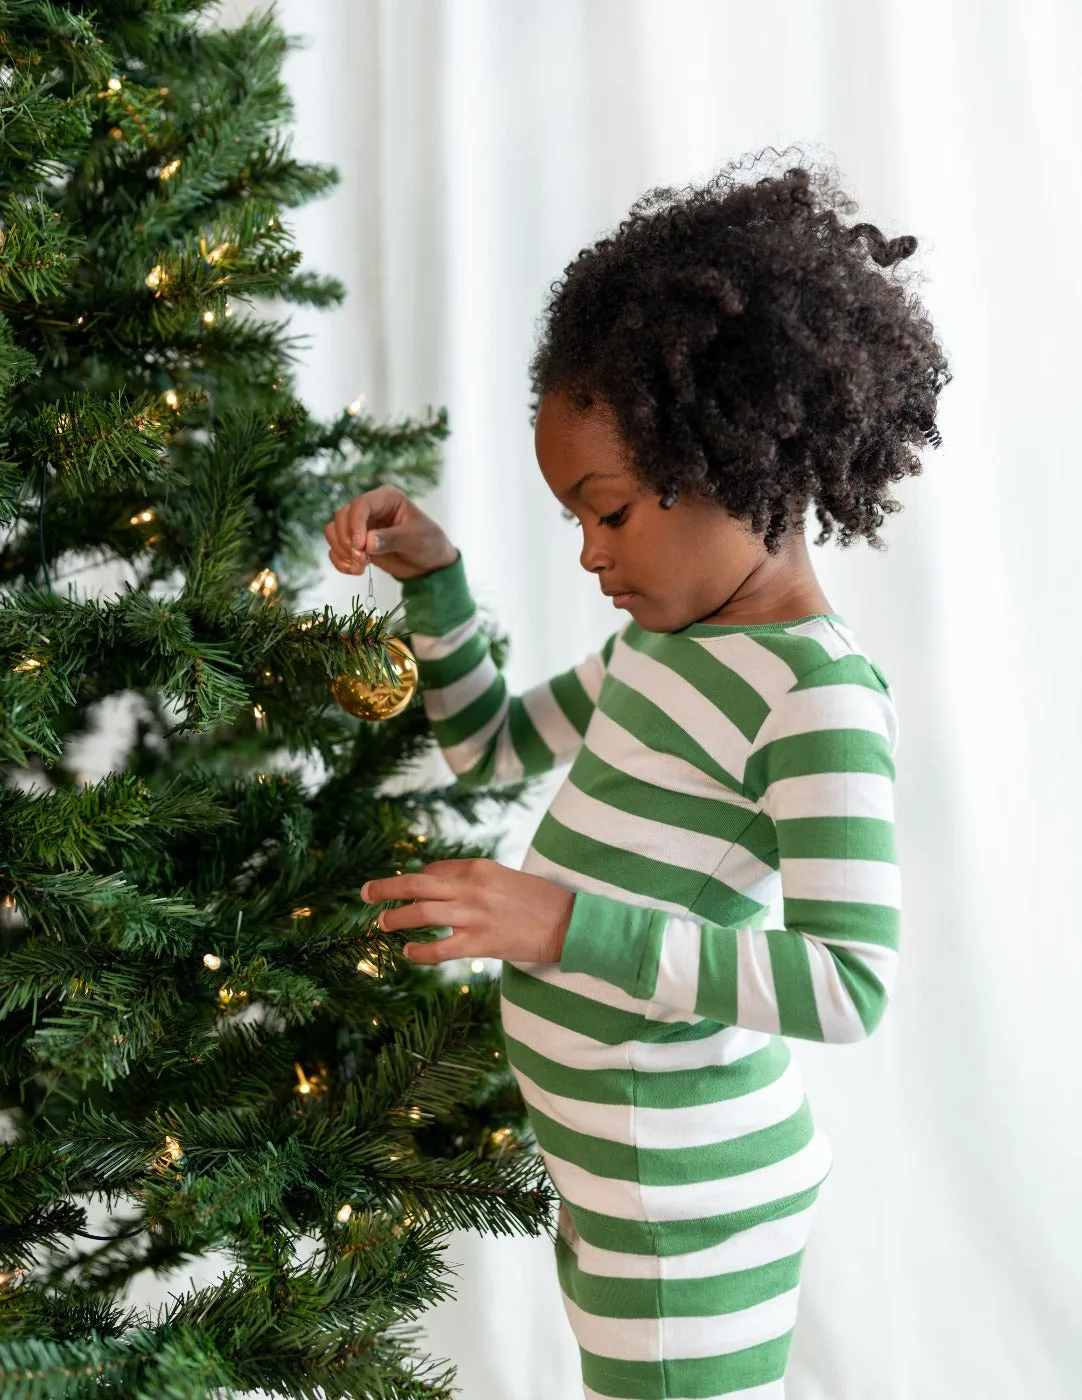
(487, 736)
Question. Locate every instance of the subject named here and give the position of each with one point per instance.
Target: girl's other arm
(822, 767)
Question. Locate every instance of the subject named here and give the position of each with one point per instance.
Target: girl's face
(682, 564)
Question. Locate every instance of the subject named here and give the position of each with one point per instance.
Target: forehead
(571, 441)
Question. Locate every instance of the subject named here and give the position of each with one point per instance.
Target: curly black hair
(750, 352)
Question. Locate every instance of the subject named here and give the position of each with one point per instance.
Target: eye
(614, 520)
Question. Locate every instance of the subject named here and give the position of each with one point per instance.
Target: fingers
(439, 879)
(340, 553)
(349, 533)
(428, 913)
(443, 951)
(380, 506)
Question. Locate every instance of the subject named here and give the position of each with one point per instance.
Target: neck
(779, 588)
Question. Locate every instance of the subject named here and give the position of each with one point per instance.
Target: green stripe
(866, 990)
(851, 669)
(565, 1008)
(817, 751)
(700, 1376)
(440, 671)
(662, 1088)
(656, 729)
(837, 838)
(793, 989)
(474, 716)
(684, 1297)
(534, 754)
(680, 1236)
(675, 1166)
(844, 919)
(568, 691)
(436, 602)
(628, 870)
(607, 1024)
(801, 654)
(744, 706)
(717, 986)
(712, 816)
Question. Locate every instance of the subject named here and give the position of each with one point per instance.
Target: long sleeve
(821, 769)
(487, 736)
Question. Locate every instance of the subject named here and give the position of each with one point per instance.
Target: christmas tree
(202, 1032)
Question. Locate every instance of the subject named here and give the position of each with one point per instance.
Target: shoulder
(832, 704)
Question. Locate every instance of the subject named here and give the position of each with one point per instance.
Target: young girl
(723, 361)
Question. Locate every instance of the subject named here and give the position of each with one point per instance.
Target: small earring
(669, 498)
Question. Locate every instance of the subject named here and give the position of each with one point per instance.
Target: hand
(402, 539)
(492, 911)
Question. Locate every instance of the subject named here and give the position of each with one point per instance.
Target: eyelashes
(614, 521)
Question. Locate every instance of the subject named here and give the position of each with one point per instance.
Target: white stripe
(755, 664)
(678, 967)
(842, 705)
(773, 1390)
(835, 638)
(630, 1200)
(756, 998)
(639, 834)
(551, 723)
(833, 795)
(699, 1125)
(747, 1249)
(682, 1338)
(689, 709)
(446, 701)
(596, 988)
(428, 648)
(845, 881)
(465, 754)
(606, 993)
(620, 749)
(838, 1015)
(591, 674)
(508, 765)
(578, 1051)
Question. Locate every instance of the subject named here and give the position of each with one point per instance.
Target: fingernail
(357, 553)
(364, 891)
(376, 545)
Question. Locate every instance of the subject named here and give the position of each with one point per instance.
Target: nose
(593, 557)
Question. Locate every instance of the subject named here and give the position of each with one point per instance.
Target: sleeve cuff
(436, 602)
(620, 943)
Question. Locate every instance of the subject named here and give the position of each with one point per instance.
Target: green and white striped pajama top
(711, 769)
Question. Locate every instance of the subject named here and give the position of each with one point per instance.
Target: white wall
(482, 144)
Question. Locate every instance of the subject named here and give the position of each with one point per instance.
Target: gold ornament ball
(379, 700)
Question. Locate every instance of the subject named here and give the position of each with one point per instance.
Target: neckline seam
(690, 629)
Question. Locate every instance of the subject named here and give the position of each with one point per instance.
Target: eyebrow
(590, 476)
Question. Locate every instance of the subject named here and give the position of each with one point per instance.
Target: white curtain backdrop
(482, 143)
